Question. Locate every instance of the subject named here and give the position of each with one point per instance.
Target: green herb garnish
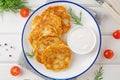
(12, 5)
(31, 55)
(99, 74)
(76, 19)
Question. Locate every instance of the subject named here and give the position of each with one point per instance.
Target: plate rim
(100, 36)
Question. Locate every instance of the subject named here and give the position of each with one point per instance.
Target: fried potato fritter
(45, 38)
(44, 42)
(62, 13)
(54, 21)
(38, 32)
(49, 19)
(59, 11)
(36, 21)
(56, 57)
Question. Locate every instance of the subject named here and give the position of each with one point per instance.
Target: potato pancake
(36, 21)
(56, 57)
(46, 38)
(62, 13)
(44, 42)
(37, 32)
(49, 19)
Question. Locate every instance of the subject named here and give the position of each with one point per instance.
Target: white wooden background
(10, 32)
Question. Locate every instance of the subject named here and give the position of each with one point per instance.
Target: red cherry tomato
(108, 54)
(116, 34)
(24, 12)
(15, 70)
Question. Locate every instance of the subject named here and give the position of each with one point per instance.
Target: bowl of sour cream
(81, 40)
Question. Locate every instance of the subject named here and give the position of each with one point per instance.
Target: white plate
(80, 63)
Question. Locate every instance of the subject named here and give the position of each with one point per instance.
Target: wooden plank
(107, 24)
(13, 22)
(113, 69)
(10, 47)
(25, 74)
(111, 72)
(109, 42)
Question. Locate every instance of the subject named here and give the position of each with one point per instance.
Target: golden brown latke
(45, 38)
(49, 19)
(37, 32)
(36, 21)
(56, 57)
(59, 11)
(62, 13)
(44, 42)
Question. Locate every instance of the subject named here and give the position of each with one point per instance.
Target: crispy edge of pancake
(35, 21)
(56, 57)
(49, 38)
(33, 36)
(47, 18)
(62, 13)
(59, 11)
(37, 32)
(66, 23)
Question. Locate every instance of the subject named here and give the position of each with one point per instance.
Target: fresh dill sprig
(99, 74)
(12, 5)
(76, 19)
(31, 55)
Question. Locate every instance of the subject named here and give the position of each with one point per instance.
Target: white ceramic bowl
(81, 40)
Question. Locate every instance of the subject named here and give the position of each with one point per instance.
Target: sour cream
(81, 40)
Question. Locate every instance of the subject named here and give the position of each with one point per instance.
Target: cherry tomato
(116, 34)
(24, 12)
(15, 70)
(108, 54)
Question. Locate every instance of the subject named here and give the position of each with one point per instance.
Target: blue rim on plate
(98, 49)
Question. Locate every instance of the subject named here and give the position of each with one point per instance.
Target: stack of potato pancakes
(45, 38)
